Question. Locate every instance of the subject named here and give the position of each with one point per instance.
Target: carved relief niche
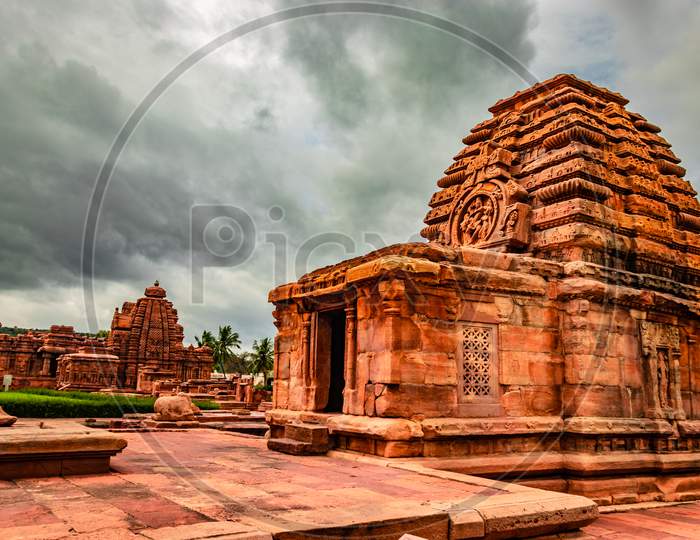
(490, 215)
(661, 353)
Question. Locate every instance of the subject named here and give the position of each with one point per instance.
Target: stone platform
(603, 462)
(608, 479)
(35, 448)
(164, 485)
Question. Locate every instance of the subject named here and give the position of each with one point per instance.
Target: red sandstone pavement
(206, 483)
(200, 477)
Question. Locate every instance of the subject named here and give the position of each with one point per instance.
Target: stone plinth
(58, 448)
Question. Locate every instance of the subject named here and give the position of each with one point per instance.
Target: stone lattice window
(476, 360)
(478, 369)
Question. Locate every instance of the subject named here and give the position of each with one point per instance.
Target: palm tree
(261, 360)
(206, 339)
(223, 346)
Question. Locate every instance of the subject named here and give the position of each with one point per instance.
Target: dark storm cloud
(362, 67)
(58, 120)
(53, 119)
(400, 96)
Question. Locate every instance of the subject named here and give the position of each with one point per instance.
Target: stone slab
(212, 529)
(311, 433)
(252, 428)
(385, 428)
(180, 424)
(227, 416)
(33, 448)
(295, 447)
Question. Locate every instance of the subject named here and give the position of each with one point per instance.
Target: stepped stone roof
(148, 330)
(563, 171)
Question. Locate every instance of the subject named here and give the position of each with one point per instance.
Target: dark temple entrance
(331, 346)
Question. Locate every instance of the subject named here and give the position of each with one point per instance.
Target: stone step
(252, 428)
(297, 448)
(232, 405)
(204, 397)
(265, 406)
(314, 434)
(230, 417)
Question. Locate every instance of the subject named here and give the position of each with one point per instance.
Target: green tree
(261, 359)
(223, 345)
(237, 363)
(206, 339)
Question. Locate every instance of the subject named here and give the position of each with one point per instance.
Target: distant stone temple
(32, 358)
(550, 328)
(144, 345)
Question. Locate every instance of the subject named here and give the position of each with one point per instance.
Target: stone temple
(144, 345)
(548, 331)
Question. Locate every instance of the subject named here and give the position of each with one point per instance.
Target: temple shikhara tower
(550, 326)
(144, 345)
(148, 339)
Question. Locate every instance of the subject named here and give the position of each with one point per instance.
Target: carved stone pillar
(350, 359)
(305, 348)
(312, 370)
(350, 346)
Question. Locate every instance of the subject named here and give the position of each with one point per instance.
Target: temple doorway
(53, 366)
(331, 345)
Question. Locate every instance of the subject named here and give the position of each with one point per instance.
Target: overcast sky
(342, 122)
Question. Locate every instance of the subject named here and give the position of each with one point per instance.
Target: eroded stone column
(350, 358)
(305, 348)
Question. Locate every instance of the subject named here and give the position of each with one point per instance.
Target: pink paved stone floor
(185, 478)
(206, 483)
(668, 522)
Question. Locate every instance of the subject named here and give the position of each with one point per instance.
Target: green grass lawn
(46, 403)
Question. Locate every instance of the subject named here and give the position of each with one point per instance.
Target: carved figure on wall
(663, 378)
(511, 222)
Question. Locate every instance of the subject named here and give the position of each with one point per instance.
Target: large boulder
(175, 408)
(6, 419)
